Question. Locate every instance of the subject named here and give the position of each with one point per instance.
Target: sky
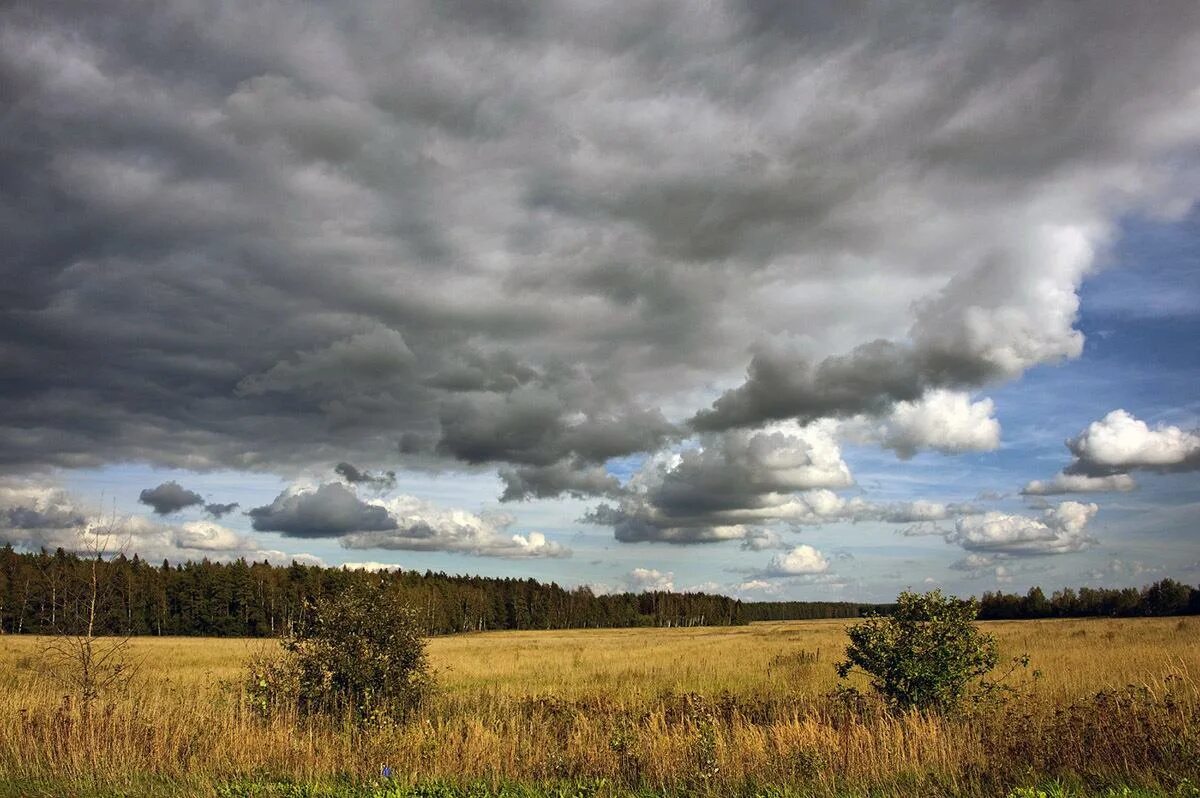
(778, 300)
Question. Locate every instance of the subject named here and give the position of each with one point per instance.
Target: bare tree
(86, 663)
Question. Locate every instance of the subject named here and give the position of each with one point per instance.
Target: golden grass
(710, 709)
(1077, 657)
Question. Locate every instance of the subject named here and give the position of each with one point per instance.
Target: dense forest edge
(40, 593)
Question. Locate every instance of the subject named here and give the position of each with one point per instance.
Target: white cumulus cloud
(1119, 442)
(942, 420)
(803, 560)
(1058, 530)
(645, 580)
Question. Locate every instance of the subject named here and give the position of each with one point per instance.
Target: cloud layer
(544, 237)
(37, 516)
(667, 260)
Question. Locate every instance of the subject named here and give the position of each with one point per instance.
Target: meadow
(1114, 710)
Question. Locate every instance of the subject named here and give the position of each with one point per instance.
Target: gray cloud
(35, 515)
(1002, 569)
(760, 539)
(579, 480)
(638, 519)
(538, 426)
(330, 510)
(737, 483)
(421, 526)
(739, 471)
(1078, 483)
(169, 497)
(730, 483)
(875, 377)
(400, 523)
(782, 385)
(920, 511)
(538, 238)
(355, 476)
(220, 510)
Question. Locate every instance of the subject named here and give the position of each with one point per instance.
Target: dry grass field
(742, 710)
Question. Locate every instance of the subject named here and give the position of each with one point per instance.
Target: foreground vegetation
(721, 711)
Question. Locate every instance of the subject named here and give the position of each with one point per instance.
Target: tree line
(41, 593)
(1165, 597)
(808, 610)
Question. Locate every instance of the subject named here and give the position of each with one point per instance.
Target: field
(720, 711)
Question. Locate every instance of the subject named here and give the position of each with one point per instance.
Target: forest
(44, 593)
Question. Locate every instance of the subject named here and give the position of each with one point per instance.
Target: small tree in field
(359, 656)
(75, 654)
(924, 656)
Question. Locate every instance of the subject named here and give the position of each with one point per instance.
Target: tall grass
(717, 711)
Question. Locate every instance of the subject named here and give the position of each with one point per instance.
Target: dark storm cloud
(539, 236)
(169, 497)
(868, 380)
(538, 427)
(539, 482)
(329, 511)
(478, 371)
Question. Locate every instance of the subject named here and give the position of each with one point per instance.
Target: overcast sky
(781, 300)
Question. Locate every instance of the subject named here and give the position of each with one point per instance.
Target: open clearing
(717, 710)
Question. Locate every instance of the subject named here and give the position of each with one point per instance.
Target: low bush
(355, 656)
(925, 655)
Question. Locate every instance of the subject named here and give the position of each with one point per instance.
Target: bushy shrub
(272, 683)
(925, 655)
(358, 655)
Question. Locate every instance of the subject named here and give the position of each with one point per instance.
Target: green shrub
(272, 684)
(925, 655)
(357, 655)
